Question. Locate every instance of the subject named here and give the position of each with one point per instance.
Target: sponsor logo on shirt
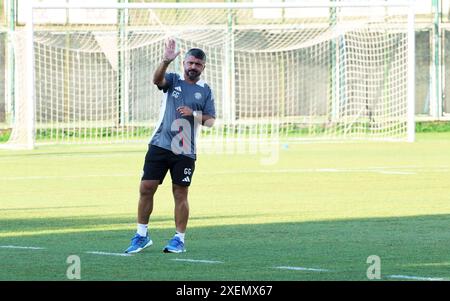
(176, 94)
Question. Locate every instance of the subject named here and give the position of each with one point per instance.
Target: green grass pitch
(322, 208)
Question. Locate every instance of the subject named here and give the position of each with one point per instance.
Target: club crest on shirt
(198, 95)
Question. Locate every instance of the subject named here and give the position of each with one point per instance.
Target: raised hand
(170, 52)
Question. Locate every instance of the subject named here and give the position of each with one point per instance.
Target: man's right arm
(159, 78)
(170, 54)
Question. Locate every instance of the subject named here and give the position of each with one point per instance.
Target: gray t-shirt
(174, 132)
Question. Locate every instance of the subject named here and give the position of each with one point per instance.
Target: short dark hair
(197, 53)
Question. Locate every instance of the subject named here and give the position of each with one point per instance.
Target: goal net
(299, 70)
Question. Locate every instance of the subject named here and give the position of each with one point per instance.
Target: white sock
(142, 229)
(180, 236)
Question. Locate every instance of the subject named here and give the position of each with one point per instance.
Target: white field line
(326, 170)
(414, 277)
(220, 262)
(67, 177)
(198, 260)
(313, 170)
(20, 247)
(108, 254)
(301, 269)
(58, 156)
(386, 170)
(396, 172)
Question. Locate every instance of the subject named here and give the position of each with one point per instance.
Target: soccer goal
(294, 70)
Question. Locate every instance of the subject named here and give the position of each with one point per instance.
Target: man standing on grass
(187, 101)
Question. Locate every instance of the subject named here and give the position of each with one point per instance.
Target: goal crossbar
(216, 5)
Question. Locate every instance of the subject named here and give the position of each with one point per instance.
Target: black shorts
(159, 160)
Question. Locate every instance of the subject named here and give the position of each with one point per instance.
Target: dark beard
(192, 75)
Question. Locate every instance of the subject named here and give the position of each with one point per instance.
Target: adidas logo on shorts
(186, 180)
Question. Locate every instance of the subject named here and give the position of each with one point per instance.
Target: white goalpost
(288, 71)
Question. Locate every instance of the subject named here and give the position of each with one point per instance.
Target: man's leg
(141, 239)
(181, 170)
(180, 195)
(153, 173)
(147, 190)
(176, 244)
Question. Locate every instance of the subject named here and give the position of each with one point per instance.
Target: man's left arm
(205, 117)
(208, 115)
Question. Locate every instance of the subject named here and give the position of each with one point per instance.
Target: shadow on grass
(416, 246)
(15, 227)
